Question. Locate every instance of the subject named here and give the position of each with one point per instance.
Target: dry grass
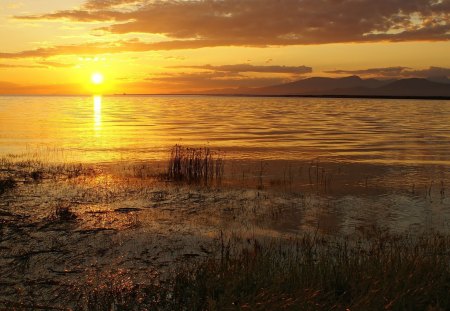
(372, 272)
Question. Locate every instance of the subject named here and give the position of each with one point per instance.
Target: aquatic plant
(194, 164)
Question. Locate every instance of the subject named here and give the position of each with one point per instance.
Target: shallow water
(382, 162)
(93, 129)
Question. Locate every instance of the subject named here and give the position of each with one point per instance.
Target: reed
(195, 164)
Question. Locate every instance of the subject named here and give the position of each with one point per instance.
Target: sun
(97, 78)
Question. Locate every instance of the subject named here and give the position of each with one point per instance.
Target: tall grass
(373, 272)
(384, 272)
(195, 164)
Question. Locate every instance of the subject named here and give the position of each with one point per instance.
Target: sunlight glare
(97, 112)
(97, 78)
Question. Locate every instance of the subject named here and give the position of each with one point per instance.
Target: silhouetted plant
(195, 164)
(37, 175)
(64, 213)
(7, 184)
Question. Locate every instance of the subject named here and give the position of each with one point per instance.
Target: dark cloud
(251, 68)
(387, 71)
(398, 72)
(209, 80)
(430, 72)
(270, 22)
(105, 4)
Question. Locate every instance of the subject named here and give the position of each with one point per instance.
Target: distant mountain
(350, 86)
(316, 85)
(401, 88)
(441, 79)
(413, 87)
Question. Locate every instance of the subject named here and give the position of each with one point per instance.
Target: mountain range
(350, 86)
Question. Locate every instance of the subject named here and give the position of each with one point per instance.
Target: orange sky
(53, 46)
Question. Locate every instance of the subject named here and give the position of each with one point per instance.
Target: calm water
(93, 129)
(384, 161)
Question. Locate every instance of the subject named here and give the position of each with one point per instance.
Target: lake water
(94, 129)
(381, 161)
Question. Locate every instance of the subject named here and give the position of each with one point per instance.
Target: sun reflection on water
(97, 112)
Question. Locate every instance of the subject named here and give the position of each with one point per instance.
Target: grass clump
(63, 213)
(7, 184)
(195, 164)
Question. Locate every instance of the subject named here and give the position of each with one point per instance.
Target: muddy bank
(63, 227)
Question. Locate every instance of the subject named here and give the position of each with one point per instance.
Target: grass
(7, 184)
(63, 213)
(372, 272)
(194, 164)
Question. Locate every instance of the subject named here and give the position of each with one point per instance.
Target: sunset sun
(97, 78)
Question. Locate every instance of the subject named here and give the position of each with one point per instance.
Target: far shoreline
(293, 96)
(240, 95)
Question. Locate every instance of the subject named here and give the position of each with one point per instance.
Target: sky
(151, 46)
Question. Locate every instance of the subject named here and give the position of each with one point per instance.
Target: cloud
(4, 85)
(13, 88)
(105, 4)
(56, 64)
(387, 71)
(430, 72)
(209, 80)
(251, 68)
(43, 64)
(269, 22)
(20, 66)
(119, 46)
(398, 72)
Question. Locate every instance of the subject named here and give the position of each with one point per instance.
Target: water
(384, 161)
(94, 129)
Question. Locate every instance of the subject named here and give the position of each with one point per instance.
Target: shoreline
(127, 238)
(297, 96)
(434, 98)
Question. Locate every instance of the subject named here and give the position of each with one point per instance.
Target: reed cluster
(195, 164)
